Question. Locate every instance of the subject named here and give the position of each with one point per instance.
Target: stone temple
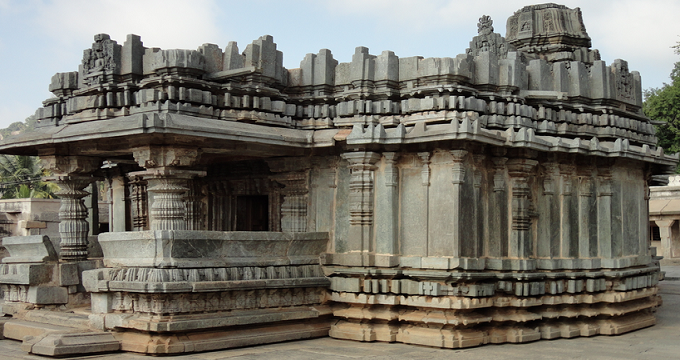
(500, 195)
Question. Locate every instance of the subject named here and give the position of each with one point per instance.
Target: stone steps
(20, 329)
(69, 319)
(54, 333)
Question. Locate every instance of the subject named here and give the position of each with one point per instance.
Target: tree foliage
(20, 177)
(663, 104)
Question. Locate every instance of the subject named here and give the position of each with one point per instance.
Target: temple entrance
(252, 213)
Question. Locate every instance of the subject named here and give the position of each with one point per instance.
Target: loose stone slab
(57, 344)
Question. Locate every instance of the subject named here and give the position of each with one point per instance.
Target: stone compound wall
(496, 196)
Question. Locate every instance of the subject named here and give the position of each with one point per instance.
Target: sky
(39, 38)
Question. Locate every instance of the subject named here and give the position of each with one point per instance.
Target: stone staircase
(54, 333)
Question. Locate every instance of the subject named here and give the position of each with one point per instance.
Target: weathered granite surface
(500, 195)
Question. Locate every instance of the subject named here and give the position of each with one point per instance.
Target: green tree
(20, 177)
(663, 104)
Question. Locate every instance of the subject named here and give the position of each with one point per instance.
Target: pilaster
(480, 222)
(457, 179)
(498, 211)
(387, 211)
(520, 239)
(548, 242)
(362, 168)
(587, 247)
(569, 225)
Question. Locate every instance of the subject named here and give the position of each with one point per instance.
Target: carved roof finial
(485, 25)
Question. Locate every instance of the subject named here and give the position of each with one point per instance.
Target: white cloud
(161, 23)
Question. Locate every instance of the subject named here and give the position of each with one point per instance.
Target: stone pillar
(520, 239)
(362, 167)
(167, 177)
(139, 203)
(457, 179)
(666, 233)
(387, 208)
(73, 174)
(118, 209)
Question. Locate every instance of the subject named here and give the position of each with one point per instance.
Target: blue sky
(39, 38)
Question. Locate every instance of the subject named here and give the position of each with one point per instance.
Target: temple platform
(656, 342)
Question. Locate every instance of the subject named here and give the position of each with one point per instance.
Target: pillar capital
(60, 165)
(159, 156)
(168, 186)
(364, 160)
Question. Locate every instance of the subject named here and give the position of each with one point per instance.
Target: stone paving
(661, 341)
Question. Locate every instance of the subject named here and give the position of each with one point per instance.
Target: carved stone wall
(499, 195)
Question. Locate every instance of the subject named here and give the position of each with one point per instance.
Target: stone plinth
(168, 284)
(195, 249)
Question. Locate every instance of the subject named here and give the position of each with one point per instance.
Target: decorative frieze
(209, 302)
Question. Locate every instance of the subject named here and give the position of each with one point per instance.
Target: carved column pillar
(73, 175)
(457, 178)
(520, 240)
(362, 166)
(294, 205)
(139, 203)
(498, 212)
(568, 219)
(604, 213)
(195, 206)
(167, 179)
(293, 175)
(387, 208)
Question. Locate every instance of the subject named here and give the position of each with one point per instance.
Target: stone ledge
(158, 344)
(197, 322)
(448, 337)
(27, 274)
(18, 329)
(453, 263)
(56, 344)
(200, 249)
